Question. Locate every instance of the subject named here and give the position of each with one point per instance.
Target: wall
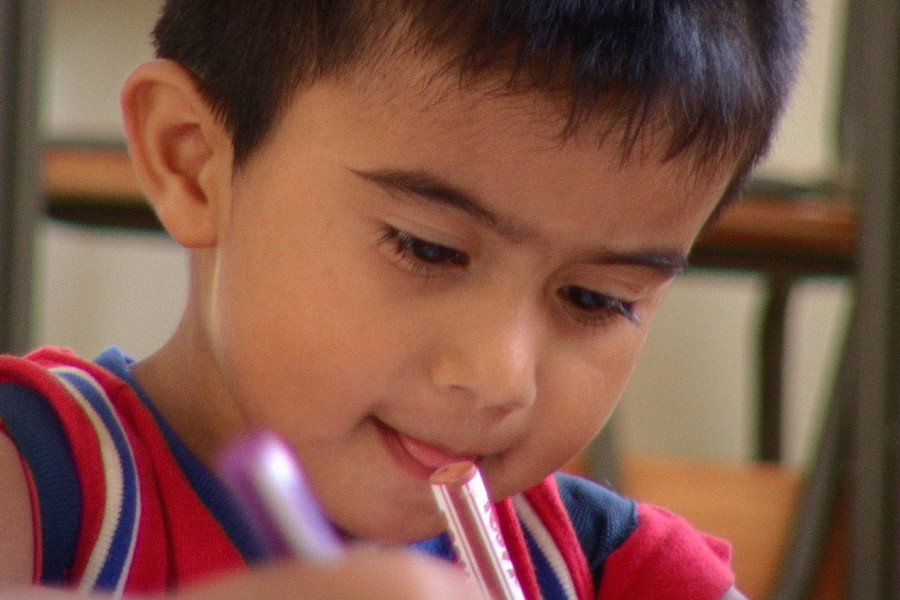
(96, 287)
(692, 392)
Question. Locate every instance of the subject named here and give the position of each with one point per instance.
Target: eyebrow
(424, 186)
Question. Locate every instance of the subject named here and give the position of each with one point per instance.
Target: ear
(180, 150)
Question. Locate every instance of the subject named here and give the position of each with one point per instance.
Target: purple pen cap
(265, 476)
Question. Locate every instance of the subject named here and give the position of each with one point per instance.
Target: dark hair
(714, 73)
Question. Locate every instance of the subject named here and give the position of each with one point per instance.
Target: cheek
(586, 389)
(292, 350)
(575, 402)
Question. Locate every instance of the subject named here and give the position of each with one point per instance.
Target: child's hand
(366, 573)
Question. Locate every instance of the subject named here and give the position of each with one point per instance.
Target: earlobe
(179, 149)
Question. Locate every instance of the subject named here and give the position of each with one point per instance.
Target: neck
(185, 383)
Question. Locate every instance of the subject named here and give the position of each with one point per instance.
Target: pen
(265, 476)
(474, 530)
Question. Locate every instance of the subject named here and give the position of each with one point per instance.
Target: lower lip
(415, 457)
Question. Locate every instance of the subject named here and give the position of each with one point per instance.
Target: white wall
(806, 147)
(90, 47)
(693, 391)
(95, 286)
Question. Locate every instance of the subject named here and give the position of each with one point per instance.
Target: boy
(419, 232)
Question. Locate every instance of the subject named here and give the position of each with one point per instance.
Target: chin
(399, 530)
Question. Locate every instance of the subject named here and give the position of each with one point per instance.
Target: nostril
(502, 391)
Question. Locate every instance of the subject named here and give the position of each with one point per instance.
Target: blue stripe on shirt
(39, 435)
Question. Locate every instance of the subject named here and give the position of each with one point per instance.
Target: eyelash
(425, 258)
(601, 309)
(420, 256)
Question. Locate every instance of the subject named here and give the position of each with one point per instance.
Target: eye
(594, 307)
(418, 253)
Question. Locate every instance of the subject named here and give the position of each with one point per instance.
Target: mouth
(419, 458)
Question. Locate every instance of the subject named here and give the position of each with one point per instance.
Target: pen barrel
(268, 482)
(474, 529)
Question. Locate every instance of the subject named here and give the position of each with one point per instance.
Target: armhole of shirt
(38, 434)
(208, 487)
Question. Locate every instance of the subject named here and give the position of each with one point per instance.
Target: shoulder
(49, 410)
(51, 400)
(665, 552)
(35, 465)
(36, 413)
(638, 550)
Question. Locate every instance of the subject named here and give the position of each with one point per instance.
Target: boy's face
(408, 274)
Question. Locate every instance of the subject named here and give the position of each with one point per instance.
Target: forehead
(403, 79)
(406, 112)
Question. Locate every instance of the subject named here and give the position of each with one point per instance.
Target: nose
(488, 353)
